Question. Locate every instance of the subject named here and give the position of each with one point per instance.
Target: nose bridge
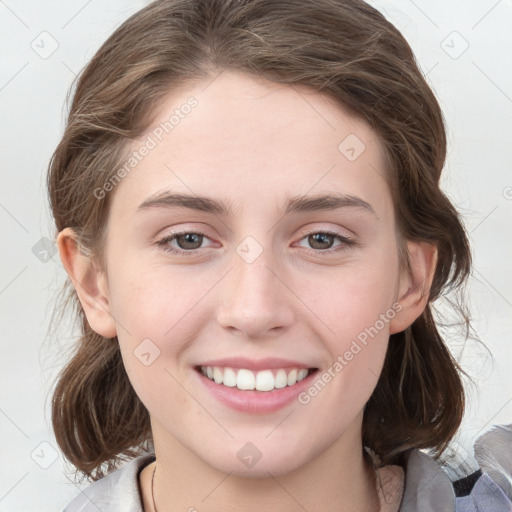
(254, 286)
(254, 281)
(254, 301)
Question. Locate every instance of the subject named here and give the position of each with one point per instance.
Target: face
(262, 274)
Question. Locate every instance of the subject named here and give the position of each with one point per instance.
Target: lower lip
(253, 401)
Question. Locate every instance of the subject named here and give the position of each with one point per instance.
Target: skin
(253, 143)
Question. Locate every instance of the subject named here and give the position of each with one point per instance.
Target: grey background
(464, 48)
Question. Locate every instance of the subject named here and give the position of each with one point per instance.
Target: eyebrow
(292, 205)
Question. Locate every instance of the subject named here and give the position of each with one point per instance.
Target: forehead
(249, 139)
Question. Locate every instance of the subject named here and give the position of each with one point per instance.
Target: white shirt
(428, 487)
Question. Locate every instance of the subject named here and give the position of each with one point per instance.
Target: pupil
(184, 241)
(319, 239)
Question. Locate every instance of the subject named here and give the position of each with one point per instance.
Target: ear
(414, 287)
(90, 283)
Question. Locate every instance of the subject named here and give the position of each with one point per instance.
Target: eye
(323, 241)
(185, 242)
(320, 242)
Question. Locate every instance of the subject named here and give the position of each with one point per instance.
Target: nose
(255, 300)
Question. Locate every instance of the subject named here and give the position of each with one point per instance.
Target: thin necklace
(152, 492)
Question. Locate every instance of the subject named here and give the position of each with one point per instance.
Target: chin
(250, 461)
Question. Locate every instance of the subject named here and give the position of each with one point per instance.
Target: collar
(428, 487)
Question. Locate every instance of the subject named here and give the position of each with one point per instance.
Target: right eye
(184, 243)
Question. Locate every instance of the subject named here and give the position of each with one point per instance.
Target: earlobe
(90, 283)
(414, 289)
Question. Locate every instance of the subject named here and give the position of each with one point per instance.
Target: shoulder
(116, 492)
(462, 484)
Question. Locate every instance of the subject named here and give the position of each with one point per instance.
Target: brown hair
(343, 48)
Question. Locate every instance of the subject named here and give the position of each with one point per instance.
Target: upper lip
(269, 363)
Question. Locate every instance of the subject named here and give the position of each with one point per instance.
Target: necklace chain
(152, 491)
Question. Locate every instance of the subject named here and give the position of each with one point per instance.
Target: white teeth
(245, 379)
(303, 373)
(217, 375)
(265, 380)
(230, 378)
(280, 380)
(292, 378)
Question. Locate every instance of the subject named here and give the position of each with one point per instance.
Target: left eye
(324, 240)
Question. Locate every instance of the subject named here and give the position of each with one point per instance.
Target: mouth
(265, 380)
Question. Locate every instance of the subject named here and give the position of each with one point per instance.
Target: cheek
(156, 311)
(351, 300)
(355, 307)
(152, 302)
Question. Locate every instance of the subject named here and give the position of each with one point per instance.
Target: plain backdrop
(464, 49)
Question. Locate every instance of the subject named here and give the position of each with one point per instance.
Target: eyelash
(346, 242)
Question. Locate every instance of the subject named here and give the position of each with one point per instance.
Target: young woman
(248, 207)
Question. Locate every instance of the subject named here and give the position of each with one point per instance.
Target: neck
(338, 480)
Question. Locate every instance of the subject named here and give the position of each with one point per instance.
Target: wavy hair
(342, 48)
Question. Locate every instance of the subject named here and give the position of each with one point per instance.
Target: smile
(264, 380)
